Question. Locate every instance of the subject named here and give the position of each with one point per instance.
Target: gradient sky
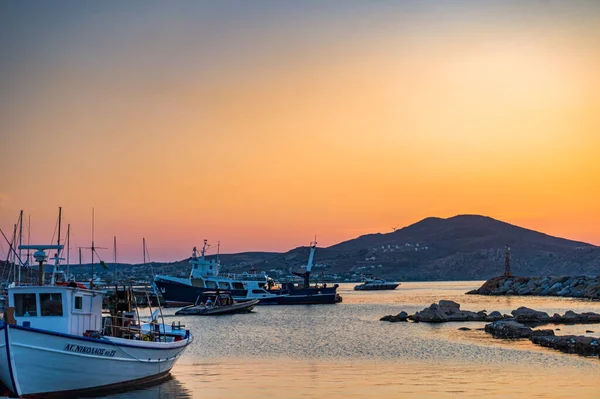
(263, 123)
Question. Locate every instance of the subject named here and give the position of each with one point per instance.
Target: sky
(262, 124)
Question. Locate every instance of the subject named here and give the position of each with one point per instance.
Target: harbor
(300, 199)
(345, 351)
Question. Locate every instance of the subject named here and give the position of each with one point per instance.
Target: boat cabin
(62, 309)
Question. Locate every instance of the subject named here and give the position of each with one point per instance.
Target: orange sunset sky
(263, 123)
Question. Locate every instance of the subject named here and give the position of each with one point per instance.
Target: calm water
(344, 351)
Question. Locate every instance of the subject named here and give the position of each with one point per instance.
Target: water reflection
(171, 388)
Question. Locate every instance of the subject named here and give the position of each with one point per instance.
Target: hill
(460, 247)
(463, 247)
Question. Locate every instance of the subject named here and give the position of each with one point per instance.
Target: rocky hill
(464, 247)
(461, 247)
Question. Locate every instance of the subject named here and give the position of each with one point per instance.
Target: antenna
(115, 258)
(68, 247)
(92, 274)
(93, 248)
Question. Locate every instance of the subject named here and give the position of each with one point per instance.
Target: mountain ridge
(461, 247)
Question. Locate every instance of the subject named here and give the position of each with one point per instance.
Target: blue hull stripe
(88, 339)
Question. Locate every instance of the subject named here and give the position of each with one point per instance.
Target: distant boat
(376, 284)
(217, 303)
(204, 277)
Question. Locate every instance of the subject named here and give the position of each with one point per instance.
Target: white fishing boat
(55, 340)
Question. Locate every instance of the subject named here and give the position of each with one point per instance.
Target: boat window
(78, 302)
(261, 285)
(25, 305)
(211, 284)
(223, 284)
(238, 286)
(258, 291)
(198, 282)
(51, 304)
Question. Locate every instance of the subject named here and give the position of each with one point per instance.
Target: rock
(542, 333)
(432, 314)
(494, 316)
(402, 316)
(527, 315)
(564, 292)
(589, 331)
(445, 311)
(524, 290)
(464, 329)
(508, 329)
(556, 287)
(585, 346)
(449, 306)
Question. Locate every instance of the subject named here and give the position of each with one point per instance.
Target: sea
(344, 351)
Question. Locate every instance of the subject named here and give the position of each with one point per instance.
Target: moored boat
(217, 303)
(55, 341)
(376, 284)
(204, 277)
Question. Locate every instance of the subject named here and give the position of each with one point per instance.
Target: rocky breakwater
(576, 287)
(512, 329)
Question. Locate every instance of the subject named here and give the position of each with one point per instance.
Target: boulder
(432, 314)
(402, 316)
(509, 329)
(527, 315)
(449, 306)
(494, 316)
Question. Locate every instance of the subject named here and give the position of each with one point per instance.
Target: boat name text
(89, 350)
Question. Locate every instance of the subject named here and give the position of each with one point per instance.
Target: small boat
(217, 303)
(376, 284)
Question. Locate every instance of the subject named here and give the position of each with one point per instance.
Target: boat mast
(20, 244)
(13, 253)
(92, 276)
(57, 259)
(155, 292)
(29, 243)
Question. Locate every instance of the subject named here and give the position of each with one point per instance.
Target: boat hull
(376, 287)
(178, 292)
(240, 307)
(39, 362)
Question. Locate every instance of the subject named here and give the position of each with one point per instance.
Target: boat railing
(132, 329)
(245, 277)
